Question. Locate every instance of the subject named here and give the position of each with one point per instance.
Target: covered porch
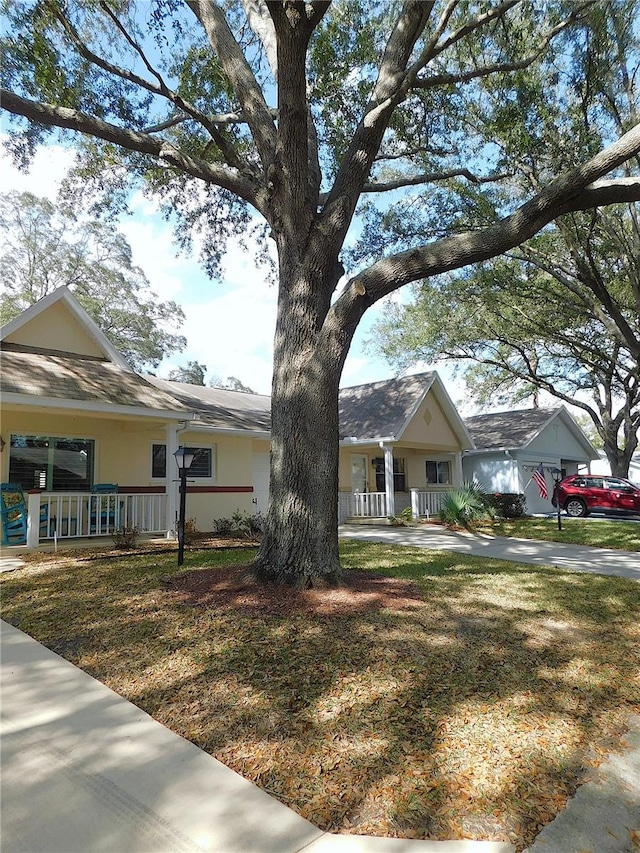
(386, 480)
(36, 518)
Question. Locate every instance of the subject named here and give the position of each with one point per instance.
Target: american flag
(538, 476)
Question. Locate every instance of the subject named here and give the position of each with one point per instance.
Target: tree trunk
(619, 458)
(300, 540)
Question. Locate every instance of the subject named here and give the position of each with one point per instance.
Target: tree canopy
(531, 322)
(288, 119)
(45, 247)
(192, 374)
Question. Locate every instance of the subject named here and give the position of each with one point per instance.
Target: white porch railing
(427, 504)
(369, 505)
(70, 515)
(374, 504)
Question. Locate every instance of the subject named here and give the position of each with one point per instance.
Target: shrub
(241, 525)
(126, 538)
(191, 532)
(403, 519)
(510, 505)
(464, 506)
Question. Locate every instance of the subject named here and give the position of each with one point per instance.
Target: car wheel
(576, 508)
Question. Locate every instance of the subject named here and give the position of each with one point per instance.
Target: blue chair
(14, 515)
(108, 511)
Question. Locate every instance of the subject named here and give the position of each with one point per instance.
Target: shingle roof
(219, 408)
(508, 429)
(69, 376)
(381, 409)
(374, 410)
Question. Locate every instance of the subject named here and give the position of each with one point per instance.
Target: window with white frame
(202, 467)
(438, 472)
(50, 463)
(399, 474)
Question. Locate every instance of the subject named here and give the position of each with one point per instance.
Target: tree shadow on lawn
(456, 703)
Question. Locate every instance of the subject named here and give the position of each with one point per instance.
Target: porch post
(171, 486)
(415, 503)
(457, 468)
(388, 479)
(33, 519)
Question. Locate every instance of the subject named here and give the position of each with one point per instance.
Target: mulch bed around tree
(233, 588)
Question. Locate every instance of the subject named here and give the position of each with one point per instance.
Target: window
(159, 461)
(399, 474)
(202, 465)
(51, 464)
(438, 472)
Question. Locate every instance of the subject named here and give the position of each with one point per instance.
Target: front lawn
(602, 533)
(440, 696)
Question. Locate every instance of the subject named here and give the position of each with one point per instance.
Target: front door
(359, 472)
(261, 482)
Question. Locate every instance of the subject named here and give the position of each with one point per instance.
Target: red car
(581, 493)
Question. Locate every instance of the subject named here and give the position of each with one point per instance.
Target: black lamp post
(184, 458)
(556, 473)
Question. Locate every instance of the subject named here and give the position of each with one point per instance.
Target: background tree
(528, 323)
(294, 110)
(192, 374)
(45, 247)
(231, 383)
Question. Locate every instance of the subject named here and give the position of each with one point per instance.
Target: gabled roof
(51, 378)
(219, 408)
(383, 410)
(64, 295)
(516, 429)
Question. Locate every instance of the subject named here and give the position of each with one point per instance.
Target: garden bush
(126, 538)
(241, 525)
(507, 505)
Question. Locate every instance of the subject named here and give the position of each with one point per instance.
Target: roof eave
(88, 406)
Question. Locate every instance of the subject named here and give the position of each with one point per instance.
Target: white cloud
(47, 171)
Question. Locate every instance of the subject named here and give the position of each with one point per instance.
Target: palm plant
(464, 506)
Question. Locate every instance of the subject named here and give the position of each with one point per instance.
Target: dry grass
(466, 699)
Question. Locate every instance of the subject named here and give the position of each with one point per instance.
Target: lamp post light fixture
(184, 458)
(556, 473)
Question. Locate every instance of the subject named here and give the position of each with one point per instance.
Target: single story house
(510, 446)
(77, 421)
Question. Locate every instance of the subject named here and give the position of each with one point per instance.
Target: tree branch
(576, 190)
(580, 189)
(387, 93)
(500, 67)
(230, 55)
(160, 88)
(143, 143)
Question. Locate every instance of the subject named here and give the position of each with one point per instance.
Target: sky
(230, 324)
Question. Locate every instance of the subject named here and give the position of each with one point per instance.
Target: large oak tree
(296, 111)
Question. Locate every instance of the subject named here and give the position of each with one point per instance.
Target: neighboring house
(509, 446)
(75, 415)
(401, 445)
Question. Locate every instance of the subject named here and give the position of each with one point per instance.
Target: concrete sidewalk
(581, 558)
(83, 770)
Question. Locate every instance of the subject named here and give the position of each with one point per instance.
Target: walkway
(580, 558)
